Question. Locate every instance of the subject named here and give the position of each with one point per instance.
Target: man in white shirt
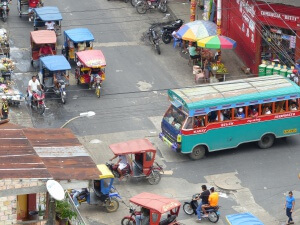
(33, 86)
(50, 25)
(122, 163)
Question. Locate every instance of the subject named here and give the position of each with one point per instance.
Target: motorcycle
(97, 85)
(168, 30)
(143, 5)
(154, 39)
(4, 10)
(37, 101)
(126, 172)
(190, 208)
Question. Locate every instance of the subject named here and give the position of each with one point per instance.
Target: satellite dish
(55, 190)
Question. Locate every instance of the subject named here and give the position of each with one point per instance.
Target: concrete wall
(8, 205)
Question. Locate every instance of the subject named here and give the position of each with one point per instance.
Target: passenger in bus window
(199, 121)
(293, 106)
(227, 114)
(254, 113)
(212, 116)
(279, 107)
(267, 111)
(240, 113)
(221, 116)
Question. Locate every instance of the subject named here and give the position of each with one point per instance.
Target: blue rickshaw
(54, 65)
(243, 219)
(76, 40)
(47, 14)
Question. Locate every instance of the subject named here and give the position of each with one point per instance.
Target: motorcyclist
(213, 201)
(204, 200)
(94, 72)
(33, 86)
(122, 164)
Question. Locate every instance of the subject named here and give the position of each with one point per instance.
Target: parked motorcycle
(143, 5)
(168, 30)
(134, 2)
(154, 39)
(4, 9)
(126, 172)
(37, 102)
(190, 209)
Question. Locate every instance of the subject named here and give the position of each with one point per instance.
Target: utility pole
(193, 10)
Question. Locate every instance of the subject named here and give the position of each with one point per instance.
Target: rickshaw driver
(31, 5)
(144, 217)
(50, 25)
(59, 75)
(45, 50)
(93, 74)
(122, 164)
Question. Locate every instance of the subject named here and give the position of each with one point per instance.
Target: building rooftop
(43, 154)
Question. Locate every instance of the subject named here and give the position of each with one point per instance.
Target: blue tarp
(49, 13)
(243, 219)
(55, 63)
(79, 35)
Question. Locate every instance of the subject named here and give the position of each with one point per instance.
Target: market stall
(4, 43)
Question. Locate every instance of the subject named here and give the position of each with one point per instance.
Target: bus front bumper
(173, 145)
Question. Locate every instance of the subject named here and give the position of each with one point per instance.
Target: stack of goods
(7, 64)
(3, 37)
(219, 68)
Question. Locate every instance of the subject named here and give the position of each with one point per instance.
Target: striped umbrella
(217, 42)
(196, 30)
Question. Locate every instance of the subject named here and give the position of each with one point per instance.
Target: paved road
(131, 106)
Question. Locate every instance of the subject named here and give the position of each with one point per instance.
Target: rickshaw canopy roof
(155, 202)
(55, 62)
(132, 147)
(105, 172)
(91, 58)
(49, 13)
(40, 37)
(243, 219)
(79, 35)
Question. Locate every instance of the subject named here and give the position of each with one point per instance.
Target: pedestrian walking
(289, 207)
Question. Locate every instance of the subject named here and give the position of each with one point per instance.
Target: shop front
(268, 32)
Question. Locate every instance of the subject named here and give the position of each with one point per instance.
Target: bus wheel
(198, 153)
(266, 141)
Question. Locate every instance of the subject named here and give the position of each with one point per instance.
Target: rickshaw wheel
(98, 92)
(126, 221)
(112, 205)
(154, 178)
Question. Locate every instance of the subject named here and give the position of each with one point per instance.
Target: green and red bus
(219, 116)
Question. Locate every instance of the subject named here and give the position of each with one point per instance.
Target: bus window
(266, 109)
(199, 121)
(175, 117)
(293, 106)
(253, 111)
(221, 113)
(240, 113)
(280, 107)
(227, 113)
(189, 124)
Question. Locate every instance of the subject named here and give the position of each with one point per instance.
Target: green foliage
(64, 210)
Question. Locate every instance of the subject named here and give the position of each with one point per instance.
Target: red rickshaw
(90, 64)
(160, 210)
(141, 156)
(38, 39)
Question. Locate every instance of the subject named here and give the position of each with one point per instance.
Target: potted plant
(41, 213)
(64, 212)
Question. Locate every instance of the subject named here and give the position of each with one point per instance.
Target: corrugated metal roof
(43, 153)
(236, 91)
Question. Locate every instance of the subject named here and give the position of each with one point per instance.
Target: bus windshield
(175, 117)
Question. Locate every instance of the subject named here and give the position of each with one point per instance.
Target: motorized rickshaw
(159, 210)
(101, 192)
(141, 155)
(25, 7)
(243, 219)
(51, 66)
(47, 14)
(38, 39)
(90, 63)
(75, 40)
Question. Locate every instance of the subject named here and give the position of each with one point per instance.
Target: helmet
(295, 71)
